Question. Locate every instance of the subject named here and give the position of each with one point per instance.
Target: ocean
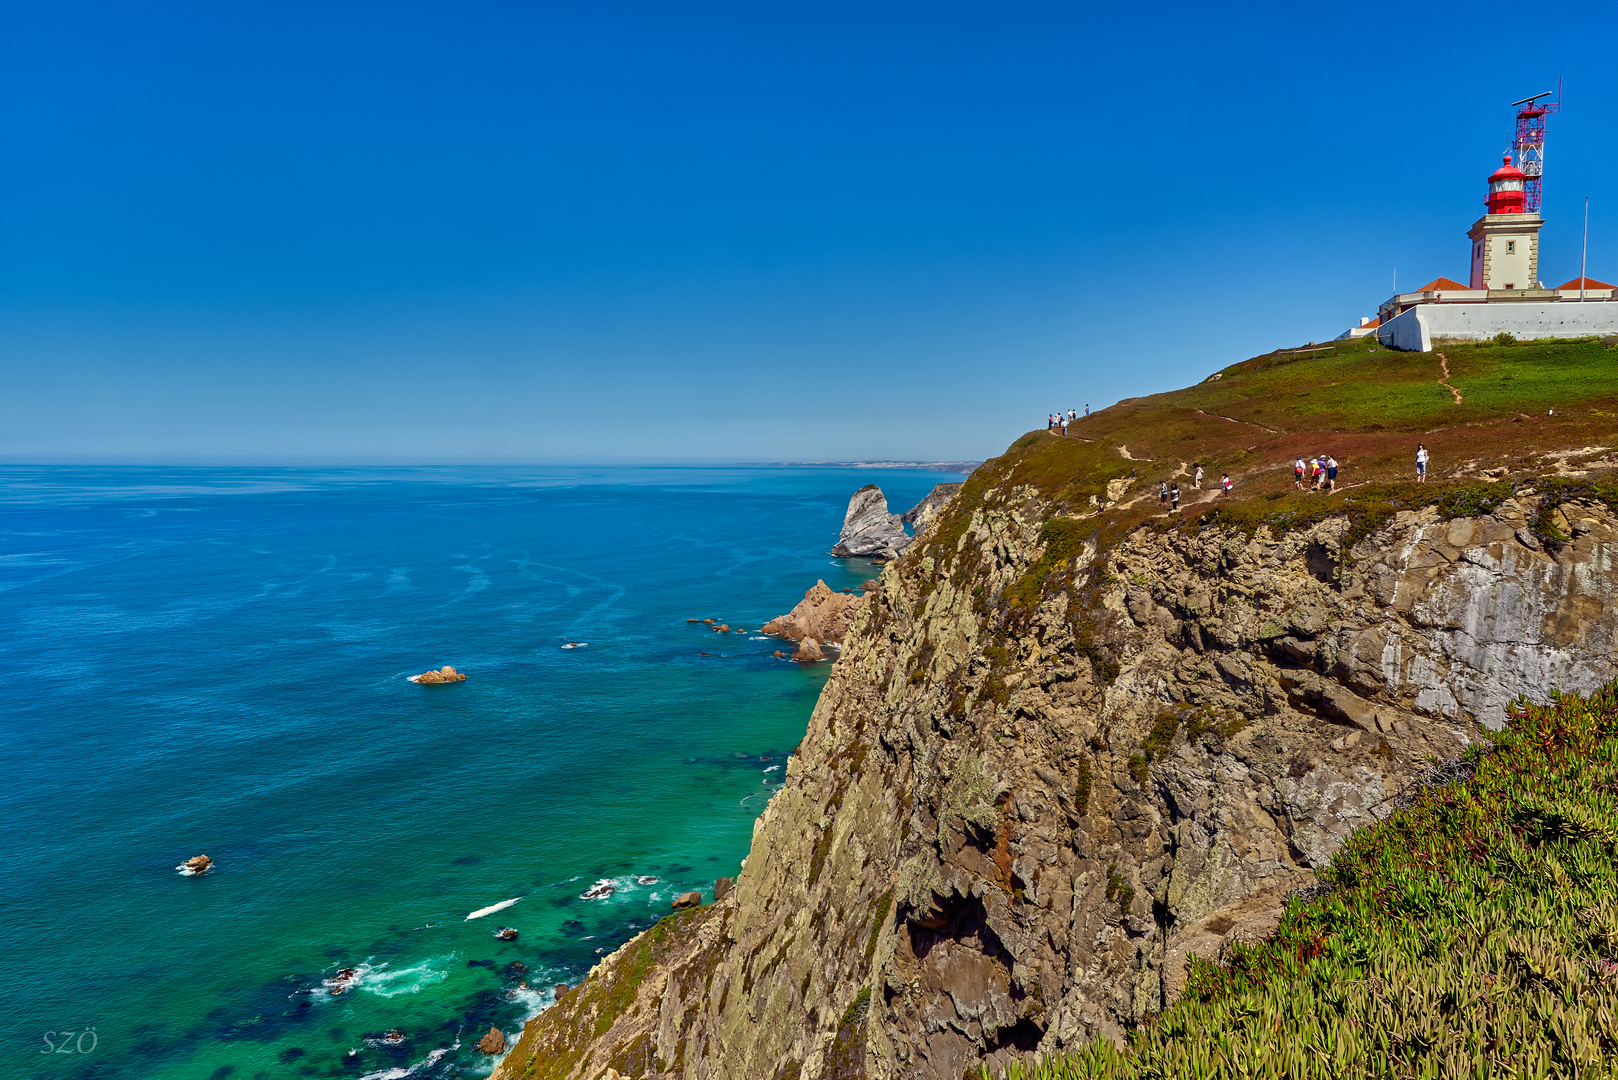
(215, 660)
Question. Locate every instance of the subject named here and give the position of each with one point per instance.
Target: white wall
(1417, 328)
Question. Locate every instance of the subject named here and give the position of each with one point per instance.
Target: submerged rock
(445, 674)
(506, 933)
(868, 528)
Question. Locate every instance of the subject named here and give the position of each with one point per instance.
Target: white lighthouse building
(1504, 293)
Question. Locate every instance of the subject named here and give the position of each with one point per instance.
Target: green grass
(1532, 377)
(1474, 933)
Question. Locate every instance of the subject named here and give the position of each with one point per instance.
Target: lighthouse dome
(1506, 192)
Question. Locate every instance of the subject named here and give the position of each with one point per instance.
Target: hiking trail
(1443, 362)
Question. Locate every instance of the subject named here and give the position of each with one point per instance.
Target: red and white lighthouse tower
(1505, 240)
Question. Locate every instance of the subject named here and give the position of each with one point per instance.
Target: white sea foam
(410, 980)
(772, 768)
(603, 888)
(646, 879)
(492, 908)
(425, 1063)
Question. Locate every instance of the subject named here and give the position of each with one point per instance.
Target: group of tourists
(1168, 494)
(1320, 473)
(1059, 420)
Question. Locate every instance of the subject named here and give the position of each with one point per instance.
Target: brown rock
(687, 900)
(693, 620)
(721, 629)
(779, 655)
(808, 651)
(506, 933)
(710, 622)
(822, 614)
(494, 1042)
(199, 864)
(723, 887)
(445, 674)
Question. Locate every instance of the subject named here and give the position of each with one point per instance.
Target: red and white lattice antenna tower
(1530, 143)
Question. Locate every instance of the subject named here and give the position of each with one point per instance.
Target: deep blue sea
(214, 661)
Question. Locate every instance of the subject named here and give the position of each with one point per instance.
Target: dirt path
(1444, 363)
(1123, 452)
(1232, 419)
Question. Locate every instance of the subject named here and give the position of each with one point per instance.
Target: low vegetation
(1474, 933)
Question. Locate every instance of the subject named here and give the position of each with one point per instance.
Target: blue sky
(403, 232)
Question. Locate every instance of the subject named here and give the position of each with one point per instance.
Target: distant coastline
(936, 466)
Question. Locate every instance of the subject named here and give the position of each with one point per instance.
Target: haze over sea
(213, 661)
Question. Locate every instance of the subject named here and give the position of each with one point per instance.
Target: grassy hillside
(1474, 933)
(1368, 406)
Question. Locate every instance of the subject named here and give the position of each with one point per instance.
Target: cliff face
(1049, 765)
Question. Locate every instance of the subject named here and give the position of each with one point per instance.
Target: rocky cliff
(1061, 751)
(1046, 768)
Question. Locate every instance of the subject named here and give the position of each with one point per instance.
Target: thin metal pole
(1584, 255)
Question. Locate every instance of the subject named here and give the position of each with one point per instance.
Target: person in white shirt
(1196, 478)
(1421, 463)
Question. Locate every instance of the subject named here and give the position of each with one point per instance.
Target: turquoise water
(214, 660)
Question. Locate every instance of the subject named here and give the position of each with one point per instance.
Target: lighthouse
(1505, 240)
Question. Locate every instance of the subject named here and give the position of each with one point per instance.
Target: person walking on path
(1196, 478)
(1162, 493)
(1297, 474)
(1087, 409)
(1421, 463)
(1064, 425)
(1331, 473)
(1224, 483)
(1174, 499)
(1317, 473)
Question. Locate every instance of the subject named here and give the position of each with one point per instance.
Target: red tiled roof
(1444, 284)
(1589, 283)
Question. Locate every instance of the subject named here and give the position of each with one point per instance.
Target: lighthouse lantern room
(1505, 240)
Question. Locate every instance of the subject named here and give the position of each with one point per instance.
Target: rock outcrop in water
(445, 674)
(1041, 774)
(821, 614)
(868, 528)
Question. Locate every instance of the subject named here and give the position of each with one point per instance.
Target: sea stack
(868, 528)
(197, 864)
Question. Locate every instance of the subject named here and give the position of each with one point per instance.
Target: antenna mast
(1530, 144)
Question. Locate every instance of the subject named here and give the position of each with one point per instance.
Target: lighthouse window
(1511, 247)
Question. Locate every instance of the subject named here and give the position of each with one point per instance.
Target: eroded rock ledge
(1016, 811)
